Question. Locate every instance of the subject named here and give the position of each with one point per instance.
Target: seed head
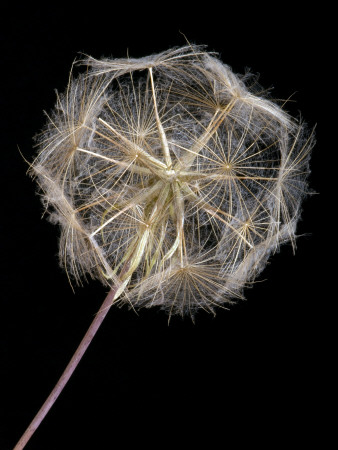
(170, 177)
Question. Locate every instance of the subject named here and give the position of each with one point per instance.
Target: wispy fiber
(171, 177)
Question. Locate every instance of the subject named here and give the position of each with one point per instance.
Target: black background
(257, 369)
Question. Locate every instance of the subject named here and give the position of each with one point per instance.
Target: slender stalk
(95, 325)
(163, 137)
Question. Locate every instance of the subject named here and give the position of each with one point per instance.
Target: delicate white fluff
(168, 175)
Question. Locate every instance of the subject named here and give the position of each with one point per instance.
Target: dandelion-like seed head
(170, 178)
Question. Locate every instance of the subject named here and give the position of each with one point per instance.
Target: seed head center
(171, 174)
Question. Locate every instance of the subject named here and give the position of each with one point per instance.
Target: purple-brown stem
(95, 325)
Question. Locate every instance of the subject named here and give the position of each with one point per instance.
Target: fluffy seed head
(170, 177)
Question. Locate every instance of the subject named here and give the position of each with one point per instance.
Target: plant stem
(95, 325)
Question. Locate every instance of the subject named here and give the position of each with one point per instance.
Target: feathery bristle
(170, 177)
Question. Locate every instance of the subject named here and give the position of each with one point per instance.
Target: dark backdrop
(252, 371)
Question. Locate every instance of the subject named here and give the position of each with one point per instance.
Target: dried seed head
(170, 177)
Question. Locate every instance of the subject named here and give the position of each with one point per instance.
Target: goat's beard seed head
(171, 177)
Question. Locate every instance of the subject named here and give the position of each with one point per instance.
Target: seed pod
(171, 177)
